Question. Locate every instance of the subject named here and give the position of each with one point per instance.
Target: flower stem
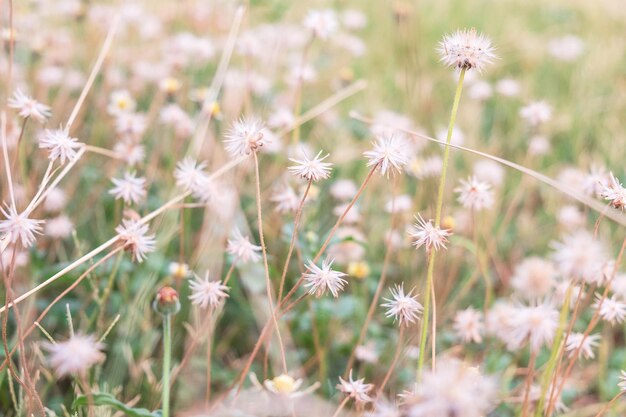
(167, 358)
(556, 347)
(431, 255)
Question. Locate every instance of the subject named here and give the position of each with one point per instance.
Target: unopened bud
(166, 301)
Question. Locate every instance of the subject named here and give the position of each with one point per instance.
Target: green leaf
(104, 398)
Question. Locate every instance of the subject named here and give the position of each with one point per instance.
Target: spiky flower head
(134, 236)
(614, 193)
(466, 49)
(311, 169)
(475, 194)
(390, 154)
(355, 389)
(28, 107)
(245, 137)
(425, 233)
(206, 293)
(404, 308)
(240, 247)
(19, 227)
(320, 280)
(60, 145)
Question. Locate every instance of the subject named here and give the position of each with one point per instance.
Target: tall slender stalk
(167, 359)
(438, 210)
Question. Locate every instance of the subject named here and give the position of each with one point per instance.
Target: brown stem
(294, 235)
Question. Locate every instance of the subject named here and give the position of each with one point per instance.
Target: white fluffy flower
(60, 145)
(584, 345)
(19, 227)
(356, 389)
(59, 227)
(131, 188)
(134, 236)
(190, 174)
(322, 23)
(244, 137)
(425, 233)
(29, 107)
(240, 247)
(75, 355)
(536, 325)
(566, 48)
(475, 194)
(615, 193)
(580, 256)
(285, 198)
(453, 389)
(404, 308)
(534, 278)
(468, 325)
(121, 101)
(536, 113)
(389, 154)
(311, 169)
(206, 293)
(466, 49)
(610, 309)
(320, 280)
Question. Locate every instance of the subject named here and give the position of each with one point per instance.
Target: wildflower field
(390, 208)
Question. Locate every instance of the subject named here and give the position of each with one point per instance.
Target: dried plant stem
(209, 347)
(332, 232)
(341, 406)
(94, 71)
(5, 154)
(268, 282)
(529, 380)
(609, 404)
(592, 324)
(379, 288)
(432, 253)
(281, 309)
(394, 362)
(295, 134)
(294, 236)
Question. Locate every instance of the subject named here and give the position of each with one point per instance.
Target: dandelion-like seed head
(324, 279)
(130, 188)
(19, 227)
(245, 137)
(311, 169)
(240, 247)
(466, 49)
(206, 293)
(404, 308)
(75, 355)
(59, 144)
(425, 233)
(615, 193)
(134, 236)
(356, 389)
(390, 154)
(475, 194)
(28, 107)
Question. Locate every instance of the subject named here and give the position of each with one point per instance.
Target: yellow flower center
(358, 270)
(284, 384)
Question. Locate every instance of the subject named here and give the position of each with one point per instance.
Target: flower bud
(166, 301)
